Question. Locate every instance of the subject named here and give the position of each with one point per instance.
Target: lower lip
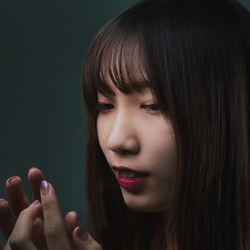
(131, 182)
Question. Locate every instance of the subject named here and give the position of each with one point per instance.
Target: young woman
(166, 88)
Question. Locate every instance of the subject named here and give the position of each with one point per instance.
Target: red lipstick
(123, 168)
(130, 182)
(129, 178)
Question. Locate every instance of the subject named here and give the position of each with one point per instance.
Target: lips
(125, 171)
(129, 178)
(131, 183)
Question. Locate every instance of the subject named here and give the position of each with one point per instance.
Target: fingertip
(71, 222)
(45, 188)
(4, 204)
(13, 180)
(35, 202)
(82, 239)
(36, 206)
(34, 171)
(80, 235)
(71, 215)
(2, 201)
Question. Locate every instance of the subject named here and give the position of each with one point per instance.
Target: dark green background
(43, 46)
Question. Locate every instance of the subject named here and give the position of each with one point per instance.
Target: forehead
(124, 61)
(123, 69)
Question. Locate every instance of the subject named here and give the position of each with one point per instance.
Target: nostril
(123, 141)
(123, 151)
(126, 148)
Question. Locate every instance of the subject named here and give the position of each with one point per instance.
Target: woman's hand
(54, 226)
(18, 201)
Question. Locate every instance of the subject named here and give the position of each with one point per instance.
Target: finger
(71, 222)
(54, 227)
(7, 224)
(38, 237)
(16, 195)
(83, 240)
(7, 221)
(35, 177)
(20, 238)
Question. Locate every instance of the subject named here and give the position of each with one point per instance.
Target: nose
(123, 137)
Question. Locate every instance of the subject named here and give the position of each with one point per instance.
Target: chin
(145, 209)
(143, 206)
(144, 202)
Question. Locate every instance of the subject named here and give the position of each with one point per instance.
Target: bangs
(120, 61)
(122, 66)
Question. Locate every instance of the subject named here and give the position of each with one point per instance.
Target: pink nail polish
(11, 179)
(35, 202)
(44, 187)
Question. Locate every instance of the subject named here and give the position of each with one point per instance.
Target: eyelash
(104, 107)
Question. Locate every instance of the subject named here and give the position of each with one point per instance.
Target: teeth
(129, 174)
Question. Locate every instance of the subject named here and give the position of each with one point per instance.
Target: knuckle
(48, 205)
(53, 232)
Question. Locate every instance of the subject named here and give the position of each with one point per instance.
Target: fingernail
(11, 179)
(34, 202)
(82, 233)
(45, 187)
(32, 168)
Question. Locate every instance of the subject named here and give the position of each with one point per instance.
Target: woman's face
(133, 133)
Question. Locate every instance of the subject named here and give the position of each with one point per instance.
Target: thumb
(83, 240)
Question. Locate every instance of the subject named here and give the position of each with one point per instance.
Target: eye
(151, 107)
(103, 107)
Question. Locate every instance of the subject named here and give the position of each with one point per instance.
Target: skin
(139, 137)
(40, 226)
(131, 134)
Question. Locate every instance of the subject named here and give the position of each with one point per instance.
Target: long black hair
(194, 56)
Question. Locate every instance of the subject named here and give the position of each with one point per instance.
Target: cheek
(101, 134)
(161, 151)
(103, 129)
